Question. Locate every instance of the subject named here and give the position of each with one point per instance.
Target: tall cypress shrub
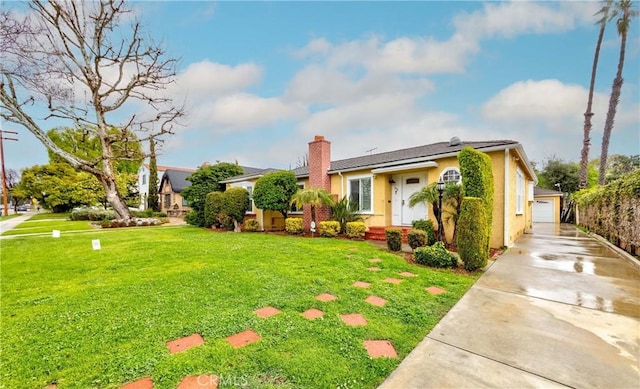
(472, 246)
(153, 201)
(477, 181)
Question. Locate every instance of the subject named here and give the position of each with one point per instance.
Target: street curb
(630, 258)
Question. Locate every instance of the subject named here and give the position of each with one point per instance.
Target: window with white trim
(519, 192)
(294, 207)
(451, 175)
(361, 192)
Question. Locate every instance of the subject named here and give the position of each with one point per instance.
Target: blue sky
(260, 79)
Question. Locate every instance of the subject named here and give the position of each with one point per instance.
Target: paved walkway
(10, 224)
(558, 309)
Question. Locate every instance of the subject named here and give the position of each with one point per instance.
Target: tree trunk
(114, 198)
(236, 226)
(613, 106)
(586, 142)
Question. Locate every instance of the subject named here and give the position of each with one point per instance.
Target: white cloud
(242, 111)
(207, 79)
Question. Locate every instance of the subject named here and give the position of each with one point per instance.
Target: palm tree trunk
(586, 142)
(613, 102)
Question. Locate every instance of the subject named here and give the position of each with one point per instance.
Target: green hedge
(293, 225)
(329, 229)
(394, 238)
(472, 243)
(356, 230)
(613, 211)
(427, 227)
(92, 214)
(251, 225)
(213, 209)
(477, 181)
(417, 238)
(435, 255)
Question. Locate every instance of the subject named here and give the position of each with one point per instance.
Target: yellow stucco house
(382, 184)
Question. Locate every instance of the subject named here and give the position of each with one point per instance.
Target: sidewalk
(10, 224)
(558, 309)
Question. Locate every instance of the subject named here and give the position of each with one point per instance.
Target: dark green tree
(559, 175)
(204, 181)
(235, 204)
(274, 190)
(153, 201)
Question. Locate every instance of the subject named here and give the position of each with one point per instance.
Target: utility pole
(4, 171)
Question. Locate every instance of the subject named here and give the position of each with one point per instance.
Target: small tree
(153, 201)
(472, 246)
(452, 197)
(235, 204)
(213, 209)
(274, 190)
(314, 197)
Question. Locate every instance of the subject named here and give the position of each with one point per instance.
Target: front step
(377, 233)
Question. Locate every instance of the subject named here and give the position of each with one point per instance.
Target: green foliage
(148, 213)
(427, 227)
(477, 181)
(394, 238)
(274, 190)
(235, 204)
(345, 211)
(416, 238)
(472, 243)
(213, 209)
(428, 194)
(329, 229)
(204, 181)
(621, 165)
(556, 171)
(356, 230)
(293, 225)
(92, 214)
(435, 255)
(314, 197)
(452, 197)
(252, 225)
(153, 201)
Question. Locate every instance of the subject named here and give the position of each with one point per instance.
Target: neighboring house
(382, 183)
(546, 205)
(143, 181)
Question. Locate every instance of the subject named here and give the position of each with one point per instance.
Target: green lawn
(8, 216)
(47, 222)
(85, 318)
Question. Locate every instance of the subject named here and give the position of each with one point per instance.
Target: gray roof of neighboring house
(546, 192)
(178, 178)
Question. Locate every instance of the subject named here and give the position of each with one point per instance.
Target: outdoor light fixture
(440, 188)
(392, 181)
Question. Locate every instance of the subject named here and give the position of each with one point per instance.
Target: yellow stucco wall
(517, 223)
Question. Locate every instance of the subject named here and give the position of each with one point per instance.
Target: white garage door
(543, 211)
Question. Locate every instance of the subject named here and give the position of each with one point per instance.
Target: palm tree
(586, 142)
(428, 195)
(625, 13)
(314, 197)
(452, 197)
(345, 211)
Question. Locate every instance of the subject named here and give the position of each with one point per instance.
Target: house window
(294, 207)
(185, 203)
(167, 200)
(144, 179)
(249, 189)
(519, 192)
(360, 191)
(451, 175)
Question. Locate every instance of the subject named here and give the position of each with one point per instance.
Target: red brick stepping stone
(380, 348)
(326, 297)
(373, 268)
(392, 280)
(51, 386)
(375, 300)
(354, 319)
(312, 313)
(407, 274)
(361, 284)
(242, 339)
(182, 344)
(199, 382)
(142, 383)
(434, 290)
(353, 249)
(267, 311)
(375, 260)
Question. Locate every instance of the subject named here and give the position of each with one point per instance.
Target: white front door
(401, 189)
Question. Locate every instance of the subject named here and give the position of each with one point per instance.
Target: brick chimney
(319, 164)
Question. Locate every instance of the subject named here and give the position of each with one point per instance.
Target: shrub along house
(381, 184)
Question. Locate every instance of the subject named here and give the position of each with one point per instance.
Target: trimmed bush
(329, 229)
(235, 204)
(394, 238)
(356, 230)
(472, 243)
(251, 225)
(417, 238)
(293, 225)
(435, 255)
(213, 209)
(92, 214)
(427, 227)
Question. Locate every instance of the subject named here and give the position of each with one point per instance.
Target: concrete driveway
(558, 309)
